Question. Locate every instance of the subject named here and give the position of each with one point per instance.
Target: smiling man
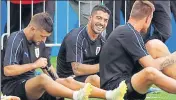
(80, 50)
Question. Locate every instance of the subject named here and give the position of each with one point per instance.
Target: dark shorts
(131, 93)
(21, 93)
(83, 77)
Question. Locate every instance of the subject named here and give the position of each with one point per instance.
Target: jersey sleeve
(133, 45)
(73, 50)
(13, 51)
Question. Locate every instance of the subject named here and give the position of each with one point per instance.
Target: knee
(69, 80)
(43, 78)
(94, 80)
(150, 73)
(156, 47)
(154, 44)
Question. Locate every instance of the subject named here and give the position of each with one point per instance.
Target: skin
(96, 25)
(158, 66)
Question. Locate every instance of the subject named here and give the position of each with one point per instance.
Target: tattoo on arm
(75, 66)
(168, 62)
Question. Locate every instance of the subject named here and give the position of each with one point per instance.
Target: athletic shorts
(83, 77)
(131, 93)
(21, 93)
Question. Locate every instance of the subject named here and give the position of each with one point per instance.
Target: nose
(102, 22)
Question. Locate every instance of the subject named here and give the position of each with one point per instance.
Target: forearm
(14, 70)
(85, 69)
(52, 71)
(167, 61)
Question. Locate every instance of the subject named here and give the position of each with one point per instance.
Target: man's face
(99, 21)
(40, 35)
(147, 23)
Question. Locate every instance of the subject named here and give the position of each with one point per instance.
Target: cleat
(83, 94)
(119, 93)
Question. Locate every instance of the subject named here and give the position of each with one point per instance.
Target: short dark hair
(142, 8)
(43, 20)
(100, 8)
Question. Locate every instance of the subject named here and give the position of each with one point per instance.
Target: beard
(144, 31)
(96, 28)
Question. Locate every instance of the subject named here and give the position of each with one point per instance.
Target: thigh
(158, 49)
(131, 93)
(34, 89)
(141, 81)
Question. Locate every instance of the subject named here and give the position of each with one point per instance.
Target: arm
(14, 70)
(158, 63)
(52, 70)
(84, 69)
(75, 57)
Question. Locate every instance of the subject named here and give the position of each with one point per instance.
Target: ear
(32, 28)
(90, 18)
(147, 19)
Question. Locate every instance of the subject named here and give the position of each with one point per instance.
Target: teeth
(100, 27)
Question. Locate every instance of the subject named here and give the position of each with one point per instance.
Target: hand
(40, 63)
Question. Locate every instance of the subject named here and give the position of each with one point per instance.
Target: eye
(106, 20)
(99, 18)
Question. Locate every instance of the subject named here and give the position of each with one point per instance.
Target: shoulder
(75, 34)
(16, 38)
(122, 30)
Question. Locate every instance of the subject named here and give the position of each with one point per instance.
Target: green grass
(152, 96)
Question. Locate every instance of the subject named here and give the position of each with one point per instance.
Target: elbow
(7, 71)
(76, 73)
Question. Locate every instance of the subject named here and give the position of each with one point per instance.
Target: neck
(136, 24)
(27, 33)
(91, 33)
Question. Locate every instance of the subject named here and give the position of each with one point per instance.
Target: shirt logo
(85, 51)
(98, 50)
(37, 52)
(25, 53)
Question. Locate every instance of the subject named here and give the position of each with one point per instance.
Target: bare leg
(158, 49)
(148, 76)
(36, 86)
(75, 85)
(94, 80)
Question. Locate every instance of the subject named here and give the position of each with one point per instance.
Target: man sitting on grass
(20, 61)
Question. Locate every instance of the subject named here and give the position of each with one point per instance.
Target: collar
(88, 37)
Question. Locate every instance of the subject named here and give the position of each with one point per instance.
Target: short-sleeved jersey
(120, 54)
(20, 51)
(78, 47)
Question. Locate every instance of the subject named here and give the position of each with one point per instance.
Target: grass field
(151, 96)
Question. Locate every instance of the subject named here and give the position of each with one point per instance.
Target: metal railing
(56, 19)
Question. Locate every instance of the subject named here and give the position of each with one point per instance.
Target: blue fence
(73, 22)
